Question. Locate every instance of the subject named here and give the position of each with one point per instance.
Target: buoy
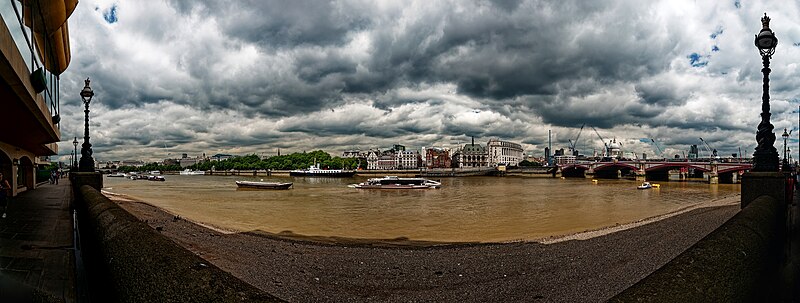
(657, 185)
(594, 180)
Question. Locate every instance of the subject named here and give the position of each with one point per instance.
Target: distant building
(221, 157)
(387, 162)
(398, 148)
(565, 160)
(694, 152)
(473, 155)
(436, 157)
(372, 159)
(170, 162)
(186, 162)
(504, 153)
(407, 159)
(355, 153)
(134, 163)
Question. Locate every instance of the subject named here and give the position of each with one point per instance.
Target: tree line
(248, 162)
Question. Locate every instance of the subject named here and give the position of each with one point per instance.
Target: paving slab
(36, 244)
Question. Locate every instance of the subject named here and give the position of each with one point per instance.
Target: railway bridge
(725, 172)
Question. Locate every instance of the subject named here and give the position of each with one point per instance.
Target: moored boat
(315, 171)
(116, 175)
(394, 182)
(263, 185)
(645, 185)
(189, 172)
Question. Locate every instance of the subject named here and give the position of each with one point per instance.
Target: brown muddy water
(469, 209)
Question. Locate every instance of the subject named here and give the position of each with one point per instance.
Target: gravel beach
(586, 267)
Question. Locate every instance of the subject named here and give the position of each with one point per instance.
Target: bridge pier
(713, 175)
(713, 179)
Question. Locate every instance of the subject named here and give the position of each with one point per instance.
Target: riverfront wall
(137, 264)
(738, 262)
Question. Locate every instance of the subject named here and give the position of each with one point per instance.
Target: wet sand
(586, 267)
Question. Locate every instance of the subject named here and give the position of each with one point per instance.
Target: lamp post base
(765, 160)
(86, 165)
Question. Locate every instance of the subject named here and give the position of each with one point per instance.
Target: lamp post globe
(87, 163)
(765, 157)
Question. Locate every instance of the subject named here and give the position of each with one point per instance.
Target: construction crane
(605, 151)
(712, 152)
(572, 144)
(660, 151)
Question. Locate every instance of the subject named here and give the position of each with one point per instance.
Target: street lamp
(765, 158)
(785, 137)
(75, 154)
(87, 163)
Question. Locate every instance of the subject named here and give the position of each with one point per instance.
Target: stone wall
(137, 264)
(738, 262)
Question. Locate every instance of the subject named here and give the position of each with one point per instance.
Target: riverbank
(585, 267)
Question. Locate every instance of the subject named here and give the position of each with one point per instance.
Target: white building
(504, 153)
(565, 160)
(407, 159)
(372, 159)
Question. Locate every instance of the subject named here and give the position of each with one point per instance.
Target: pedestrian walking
(5, 192)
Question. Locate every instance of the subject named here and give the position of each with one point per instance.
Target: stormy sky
(241, 77)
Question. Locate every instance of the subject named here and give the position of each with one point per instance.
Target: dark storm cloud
(277, 23)
(494, 50)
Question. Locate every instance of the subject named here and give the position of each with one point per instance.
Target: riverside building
(34, 52)
(504, 153)
(436, 157)
(473, 155)
(407, 159)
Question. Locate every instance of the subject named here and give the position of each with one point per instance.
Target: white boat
(189, 172)
(155, 172)
(645, 185)
(262, 185)
(116, 175)
(394, 182)
(315, 171)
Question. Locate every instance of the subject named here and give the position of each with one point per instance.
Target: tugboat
(315, 171)
(393, 182)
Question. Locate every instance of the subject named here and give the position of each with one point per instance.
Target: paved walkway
(36, 245)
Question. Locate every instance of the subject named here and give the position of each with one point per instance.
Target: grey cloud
(530, 64)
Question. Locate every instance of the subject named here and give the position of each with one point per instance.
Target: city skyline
(246, 77)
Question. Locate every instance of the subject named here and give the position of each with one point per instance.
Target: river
(468, 209)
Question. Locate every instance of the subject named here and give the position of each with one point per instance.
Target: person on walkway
(5, 192)
(56, 176)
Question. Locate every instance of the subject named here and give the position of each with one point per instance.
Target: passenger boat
(394, 182)
(189, 172)
(645, 185)
(315, 171)
(263, 185)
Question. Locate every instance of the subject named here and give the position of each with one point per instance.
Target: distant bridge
(656, 170)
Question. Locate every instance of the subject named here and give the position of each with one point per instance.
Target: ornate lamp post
(87, 163)
(785, 162)
(75, 154)
(765, 158)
